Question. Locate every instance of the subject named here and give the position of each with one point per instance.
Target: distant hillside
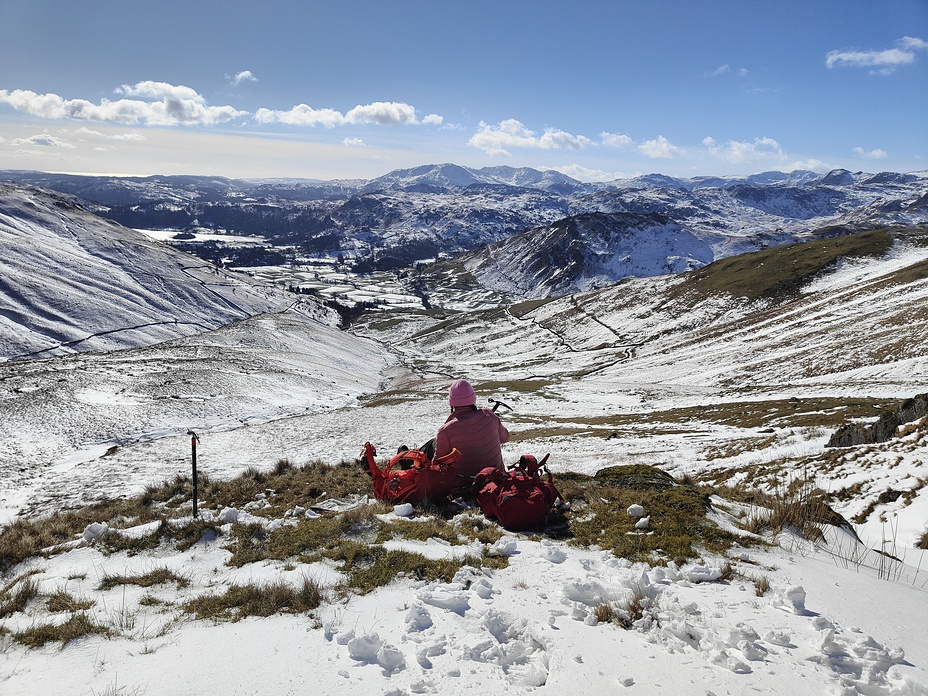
(71, 281)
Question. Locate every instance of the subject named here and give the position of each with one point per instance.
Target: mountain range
(441, 211)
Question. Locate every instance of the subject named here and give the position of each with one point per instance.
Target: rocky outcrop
(884, 428)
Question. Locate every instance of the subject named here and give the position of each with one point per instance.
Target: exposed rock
(884, 428)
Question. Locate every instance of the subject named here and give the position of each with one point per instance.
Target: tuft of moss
(679, 527)
(635, 476)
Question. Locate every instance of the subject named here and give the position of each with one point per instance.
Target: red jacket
(477, 434)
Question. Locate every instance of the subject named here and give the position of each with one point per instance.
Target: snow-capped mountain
(438, 211)
(70, 280)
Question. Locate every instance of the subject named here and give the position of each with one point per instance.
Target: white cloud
(301, 115)
(240, 77)
(166, 105)
(741, 152)
(582, 173)
(496, 140)
(813, 165)
(726, 70)
(614, 140)
(872, 154)
(884, 62)
(376, 113)
(135, 137)
(659, 148)
(43, 140)
(383, 114)
(354, 142)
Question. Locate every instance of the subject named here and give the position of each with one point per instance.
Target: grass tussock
(761, 585)
(798, 507)
(62, 600)
(17, 595)
(159, 576)
(923, 542)
(378, 567)
(635, 607)
(308, 540)
(239, 601)
(77, 626)
(421, 530)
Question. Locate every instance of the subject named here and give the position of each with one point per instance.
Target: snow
(838, 617)
(532, 627)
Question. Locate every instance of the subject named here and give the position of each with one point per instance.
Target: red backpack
(518, 499)
(410, 477)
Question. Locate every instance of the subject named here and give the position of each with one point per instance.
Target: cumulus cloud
(659, 148)
(240, 77)
(615, 140)
(742, 152)
(382, 114)
(883, 62)
(496, 140)
(353, 142)
(872, 154)
(301, 115)
(376, 113)
(155, 104)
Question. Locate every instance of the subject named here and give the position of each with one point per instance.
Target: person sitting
(477, 433)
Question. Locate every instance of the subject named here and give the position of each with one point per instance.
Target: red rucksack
(410, 477)
(518, 499)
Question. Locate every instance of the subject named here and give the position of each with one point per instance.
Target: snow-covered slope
(582, 253)
(70, 280)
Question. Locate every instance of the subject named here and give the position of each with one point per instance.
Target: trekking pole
(497, 404)
(194, 439)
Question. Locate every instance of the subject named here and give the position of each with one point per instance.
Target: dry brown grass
(77, 626)
(17, 595)
(798, 506)
(252, 599)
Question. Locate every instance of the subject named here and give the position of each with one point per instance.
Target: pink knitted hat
(461, 394)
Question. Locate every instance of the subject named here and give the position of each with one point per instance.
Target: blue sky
(595, 89)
